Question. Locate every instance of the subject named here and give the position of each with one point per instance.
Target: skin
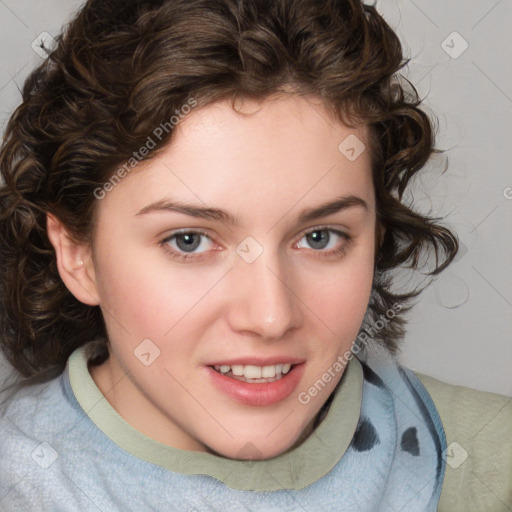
(295, 299)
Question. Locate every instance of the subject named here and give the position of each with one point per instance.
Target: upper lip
(257, 361)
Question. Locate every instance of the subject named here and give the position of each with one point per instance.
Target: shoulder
(478, 428)
(28, 412)
(30, 423)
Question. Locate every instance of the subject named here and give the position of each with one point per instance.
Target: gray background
(460, 331)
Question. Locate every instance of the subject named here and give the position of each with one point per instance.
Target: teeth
(249, 371)
(238, 369)
(267, 372)
(252, 372)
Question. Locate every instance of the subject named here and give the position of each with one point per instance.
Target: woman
(200, 219)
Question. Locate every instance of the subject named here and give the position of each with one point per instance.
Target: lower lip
(260, 393)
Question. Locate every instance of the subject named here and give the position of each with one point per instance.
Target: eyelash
(187, 256)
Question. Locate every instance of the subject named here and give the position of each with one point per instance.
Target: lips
(256, 391)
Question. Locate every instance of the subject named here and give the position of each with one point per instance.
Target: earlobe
(74, 262)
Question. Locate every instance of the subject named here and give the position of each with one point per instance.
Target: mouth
(255, 374)
(255, 385)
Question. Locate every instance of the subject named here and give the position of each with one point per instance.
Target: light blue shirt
(379, 448)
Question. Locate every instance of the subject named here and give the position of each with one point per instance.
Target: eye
(326, 240)
(190, 244)
(182, 243)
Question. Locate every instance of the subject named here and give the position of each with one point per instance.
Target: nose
(263, 300)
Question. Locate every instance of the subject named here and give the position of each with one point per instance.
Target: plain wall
(460, 331)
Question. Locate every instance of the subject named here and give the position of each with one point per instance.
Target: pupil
(318, 239)
(186, 242)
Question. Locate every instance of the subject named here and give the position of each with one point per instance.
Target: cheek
(138, 294)
(145, 294)
(340, 297)
(154, 298)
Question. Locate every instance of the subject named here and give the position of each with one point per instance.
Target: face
(232, 274)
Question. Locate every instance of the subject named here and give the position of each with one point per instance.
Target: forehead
(281, 118)
(281, 150)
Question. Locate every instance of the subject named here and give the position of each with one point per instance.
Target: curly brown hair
(120, 68)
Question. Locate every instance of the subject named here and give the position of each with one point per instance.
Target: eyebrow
(217, 214)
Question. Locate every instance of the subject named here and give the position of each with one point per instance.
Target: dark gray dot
(410, 442)
(365, 437)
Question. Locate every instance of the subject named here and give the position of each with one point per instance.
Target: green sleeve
(478, 427)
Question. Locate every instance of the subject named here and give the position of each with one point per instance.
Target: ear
(74, 261)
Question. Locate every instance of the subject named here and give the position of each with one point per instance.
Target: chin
(257, 446)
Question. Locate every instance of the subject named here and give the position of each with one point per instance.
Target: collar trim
(294, 469)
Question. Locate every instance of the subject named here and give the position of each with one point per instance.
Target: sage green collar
(294, 469)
